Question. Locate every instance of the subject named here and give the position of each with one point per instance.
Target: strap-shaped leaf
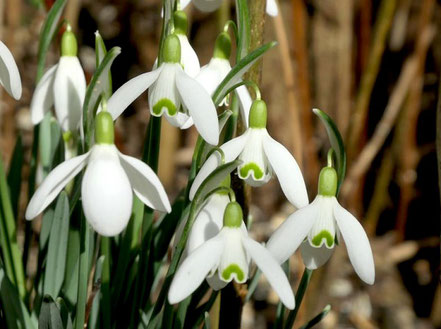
(94, 92)
(47, 34)
(243, 23)
(238, 71)
(50, 316)
(14, 310)
(14, 174)
(319, 317)
(56, 255)
(336, 143)
(100, 53)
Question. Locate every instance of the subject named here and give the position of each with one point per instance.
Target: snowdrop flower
(261, 155)
(172, 92)
(211, 5)
(64, 86)
(317, 227)
(228, 256)
(212, 74)
(106, 188)
(189, 59)
(9, 74)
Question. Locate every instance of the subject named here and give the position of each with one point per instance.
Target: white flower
(316, 228)
(261, 155)
(211, 5)
(212, 74)
(64, 86)
(107, 184)
(189, 59)
(9, 74)
(227, 256)
(172, 92)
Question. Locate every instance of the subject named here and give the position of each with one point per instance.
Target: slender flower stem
(299, 297)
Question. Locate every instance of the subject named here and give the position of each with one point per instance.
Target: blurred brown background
(372, 65)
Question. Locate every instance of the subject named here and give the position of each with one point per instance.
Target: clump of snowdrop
(227, 256)
(212, 74)
(62, 86)
(261, 156)
(211, 5)
(317, 228)
(172, 93)
(9, 74)
(107, 184)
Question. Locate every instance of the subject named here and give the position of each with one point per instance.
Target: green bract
(233, 215)
(69, 45)
(258, 114)
(328, 180)
(104, 129)
(172, 49)
(222, 47)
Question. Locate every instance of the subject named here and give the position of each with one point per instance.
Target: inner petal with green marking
(164, 104)
(251, 168)
(235, 271)
(323, 237)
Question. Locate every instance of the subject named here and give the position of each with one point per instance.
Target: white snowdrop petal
(163, 94)
(106, 193)
(271, 8)
(180, 120)
(245, 102)
(200, 106)
(130, 91)
(231, 151)
(215, 283)
(43, 97)
(189, 59)
(208, 222)
(212, 74)
(357, 243)
(254, 169)
(57, 179)
(272, 270)
(195, 268)
(314, 257)
(145, 183)
(69, 91)
(188, 123)
(323, 230)
(234, 263)
(9, 74)
(290, 234)
(287, 171)
(207, 5)
(184, 3)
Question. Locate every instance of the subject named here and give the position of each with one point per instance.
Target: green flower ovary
(168, 104)
(251, 166)
(233, 268)
(329, 239)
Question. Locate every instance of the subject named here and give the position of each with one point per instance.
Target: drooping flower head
(212, 74)
(317, 228)
(62, 86)
(262, 157)
(107, 185)
(172, 93)
(227, 256)
(9, 74)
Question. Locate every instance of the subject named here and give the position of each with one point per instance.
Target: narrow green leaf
(243, 23)
(100, 53)
(64, 312)
(50, 317)
(56, 256)
(8, 237)
(319, 317)
(47, 34)
(94, 313)
(95, 90)
(15, 311)
(304, 282)
(207, 320)
(336, 143)
(238, 71)
(70, 284)
(14, 174)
